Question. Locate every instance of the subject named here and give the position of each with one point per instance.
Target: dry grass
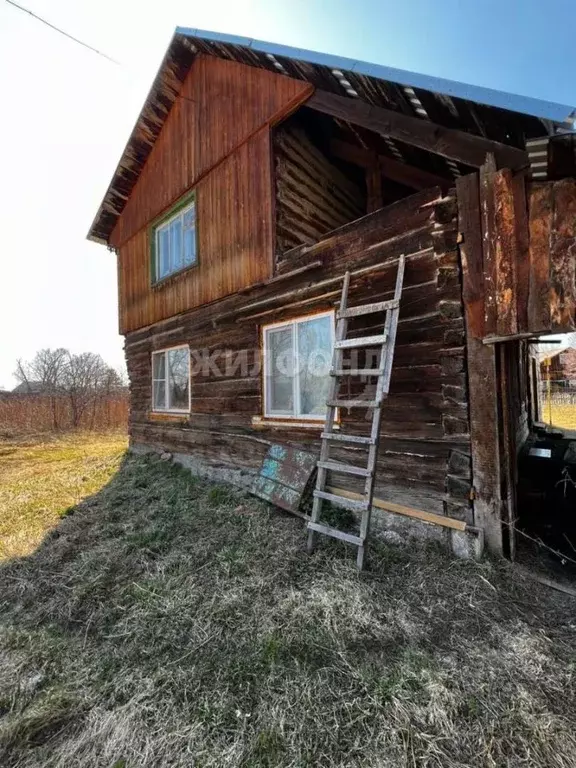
(40, 480)
(169, 622)
(561, 415)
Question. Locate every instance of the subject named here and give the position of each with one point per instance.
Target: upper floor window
(174, 239)
(297, 360)
(171, 380)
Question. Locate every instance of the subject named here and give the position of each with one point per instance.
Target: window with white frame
(171, 380)
(297, 359)
(174, 240)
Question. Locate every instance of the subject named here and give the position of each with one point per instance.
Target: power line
(61, 31)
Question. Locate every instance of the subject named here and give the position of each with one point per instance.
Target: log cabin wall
(312, 195)
(216, 140)
(424, 457)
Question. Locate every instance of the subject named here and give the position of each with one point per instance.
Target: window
(174, 240)
(297, 359)
(171, 380)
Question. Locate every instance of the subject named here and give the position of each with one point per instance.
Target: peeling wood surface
(527, 282)
(481, 365)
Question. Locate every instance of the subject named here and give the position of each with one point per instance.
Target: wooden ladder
(386, 342)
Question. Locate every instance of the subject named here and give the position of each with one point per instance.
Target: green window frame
(173, 239)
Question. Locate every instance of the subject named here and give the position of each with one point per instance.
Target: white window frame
(165, 224)
(168, 409)
(293, 324)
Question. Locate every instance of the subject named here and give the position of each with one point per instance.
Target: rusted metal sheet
(284, 475)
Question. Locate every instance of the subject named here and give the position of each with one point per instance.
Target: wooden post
(482, 378)
(374, 198)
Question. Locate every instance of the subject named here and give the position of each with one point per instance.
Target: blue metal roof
(546, 110)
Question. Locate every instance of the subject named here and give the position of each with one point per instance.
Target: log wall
(312, 195)
(424, 458)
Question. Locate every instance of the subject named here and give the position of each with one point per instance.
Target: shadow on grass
(169, 621)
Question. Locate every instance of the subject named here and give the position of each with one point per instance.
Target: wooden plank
(522, 250)
(467, 190)
(505, 253)
(447, 142)
(482, 379)
(349, 469)
(361, 341)
(340, 437)
(400, 509)
(409, 175)
(352, 403)
(563, 256)
(489, 239)
(540, 220)
(368, 309)
(335, 533)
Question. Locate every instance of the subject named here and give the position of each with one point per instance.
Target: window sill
(168, 416)
(260, 422)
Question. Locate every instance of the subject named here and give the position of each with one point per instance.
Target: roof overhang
(470, 108)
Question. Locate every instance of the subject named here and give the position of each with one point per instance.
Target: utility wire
(61, 31)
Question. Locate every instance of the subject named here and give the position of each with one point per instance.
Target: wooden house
(255, 176)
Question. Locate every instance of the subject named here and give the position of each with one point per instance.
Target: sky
(66, 114)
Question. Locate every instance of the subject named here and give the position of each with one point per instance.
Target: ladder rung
(368, 309)
(353, 403)
(349, 469)
(356, 372)
(335, 533)
(362, 341)
(352, 504)
(347, 438)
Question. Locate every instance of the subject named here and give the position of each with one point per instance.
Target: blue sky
(67, 114)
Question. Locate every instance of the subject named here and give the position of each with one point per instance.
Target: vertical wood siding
(217, 140)
(235, 242)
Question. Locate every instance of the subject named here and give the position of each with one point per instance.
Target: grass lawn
(39, 480)
(169, 622)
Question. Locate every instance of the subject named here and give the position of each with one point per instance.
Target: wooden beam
(448, 142)
(374, 197)
(400, 509)
(409, 175)
(482, 379)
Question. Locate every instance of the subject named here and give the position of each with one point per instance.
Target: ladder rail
(383, 373)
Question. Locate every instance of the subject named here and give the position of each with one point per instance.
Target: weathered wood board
(525, 279)
(284, 476)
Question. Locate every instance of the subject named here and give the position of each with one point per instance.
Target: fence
(43, 413)
(558, 403)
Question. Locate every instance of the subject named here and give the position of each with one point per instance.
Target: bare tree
(82, 379)
(44, 374)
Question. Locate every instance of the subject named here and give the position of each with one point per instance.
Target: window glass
(298, 358)
(281, 365)
(171, 380)
(176, 253)
(159, 395)
(163, 246)
(314, 358)
(178, 378)
(175, 241)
